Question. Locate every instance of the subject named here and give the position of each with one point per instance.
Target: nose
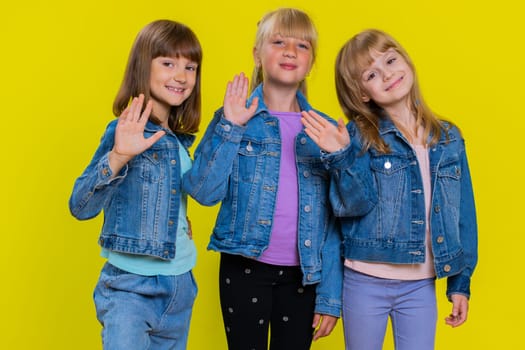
(180, 76)
(290, 51)
(387, 74)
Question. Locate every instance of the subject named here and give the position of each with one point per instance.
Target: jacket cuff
(228, 130)
(326, 306)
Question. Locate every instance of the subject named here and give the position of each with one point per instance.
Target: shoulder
(451, 130)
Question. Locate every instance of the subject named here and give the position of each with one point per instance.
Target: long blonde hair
(353, 58)
(287, 22)
(170, 39)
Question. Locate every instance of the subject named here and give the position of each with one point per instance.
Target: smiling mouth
(175, 89)
(288, 66)
(396, 83)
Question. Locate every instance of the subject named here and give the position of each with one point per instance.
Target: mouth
(176, 90)
(394, 84)
(288, 66)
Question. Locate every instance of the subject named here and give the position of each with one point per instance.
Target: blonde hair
(353, 58)
(170, 39)
(287, 22)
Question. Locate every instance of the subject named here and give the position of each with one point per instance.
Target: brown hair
(353, 58)
(170, 39)
(288, 22)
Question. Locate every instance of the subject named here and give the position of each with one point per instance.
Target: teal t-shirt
(186, 252)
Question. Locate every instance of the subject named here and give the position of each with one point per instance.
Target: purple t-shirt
(282, 249)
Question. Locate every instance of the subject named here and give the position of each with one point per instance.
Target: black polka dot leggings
(258, 298)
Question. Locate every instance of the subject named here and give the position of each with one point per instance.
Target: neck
(282, 99)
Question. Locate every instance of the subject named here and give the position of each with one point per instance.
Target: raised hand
(328, 137)
(129, 134)
(235, 101)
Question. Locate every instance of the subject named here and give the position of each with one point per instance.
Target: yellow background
(61, 63)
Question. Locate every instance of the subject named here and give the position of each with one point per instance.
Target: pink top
(402, 271)
(282, 249)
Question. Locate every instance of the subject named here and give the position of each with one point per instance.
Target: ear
(365, 98)
(256, 58)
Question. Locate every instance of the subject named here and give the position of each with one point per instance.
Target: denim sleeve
(352, 190)
(329, 290)
(207, 180)
(468, 231)
(96, 184)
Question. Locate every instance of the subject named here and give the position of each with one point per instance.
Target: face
(284, 60)
(388, 79)
(171, 83)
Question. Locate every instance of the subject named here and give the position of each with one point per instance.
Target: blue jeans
(369, 301)
(144, 312)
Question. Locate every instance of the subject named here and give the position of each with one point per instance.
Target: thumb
(254, 104)
(151, 140)
(341, 124)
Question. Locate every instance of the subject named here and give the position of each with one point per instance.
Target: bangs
(363, 49)
(290, 23)
(179, 42)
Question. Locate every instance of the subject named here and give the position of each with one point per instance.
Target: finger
(245, 85)
(253, 105)
(228, 90)
(235, 85)
(154, 138)
(134, 110)
(124, 114)
(341, 124)
(138, 112)
(147, 111)
(320, 120)
(317, 319)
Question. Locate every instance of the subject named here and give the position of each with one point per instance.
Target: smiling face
(285, 60)
(172, 80)
(388, 79)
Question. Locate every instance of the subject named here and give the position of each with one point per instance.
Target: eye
(370, 76)
(391, 60)
(191, 67)
(167, 64)
(304, 46)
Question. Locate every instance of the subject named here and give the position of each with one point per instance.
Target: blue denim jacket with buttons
(380, 200)
(239, 166)
(141, 203)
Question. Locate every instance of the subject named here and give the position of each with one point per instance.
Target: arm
(352, 191)
(207, 180)
(108, 167)
(329, 290)
(458, 286)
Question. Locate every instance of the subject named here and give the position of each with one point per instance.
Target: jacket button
(174, 191)
(170, 222)
(105, 172)
(227, 128)
(166, 253)
(307, 208)
(447, 268)
(440, 239)
(437, 208)
(306, 173)
(309, 277)
(173, 162)
(303, 140)
(308, 243)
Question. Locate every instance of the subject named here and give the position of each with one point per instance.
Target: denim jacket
(141, 203)
(380, 200)
(239, 166)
